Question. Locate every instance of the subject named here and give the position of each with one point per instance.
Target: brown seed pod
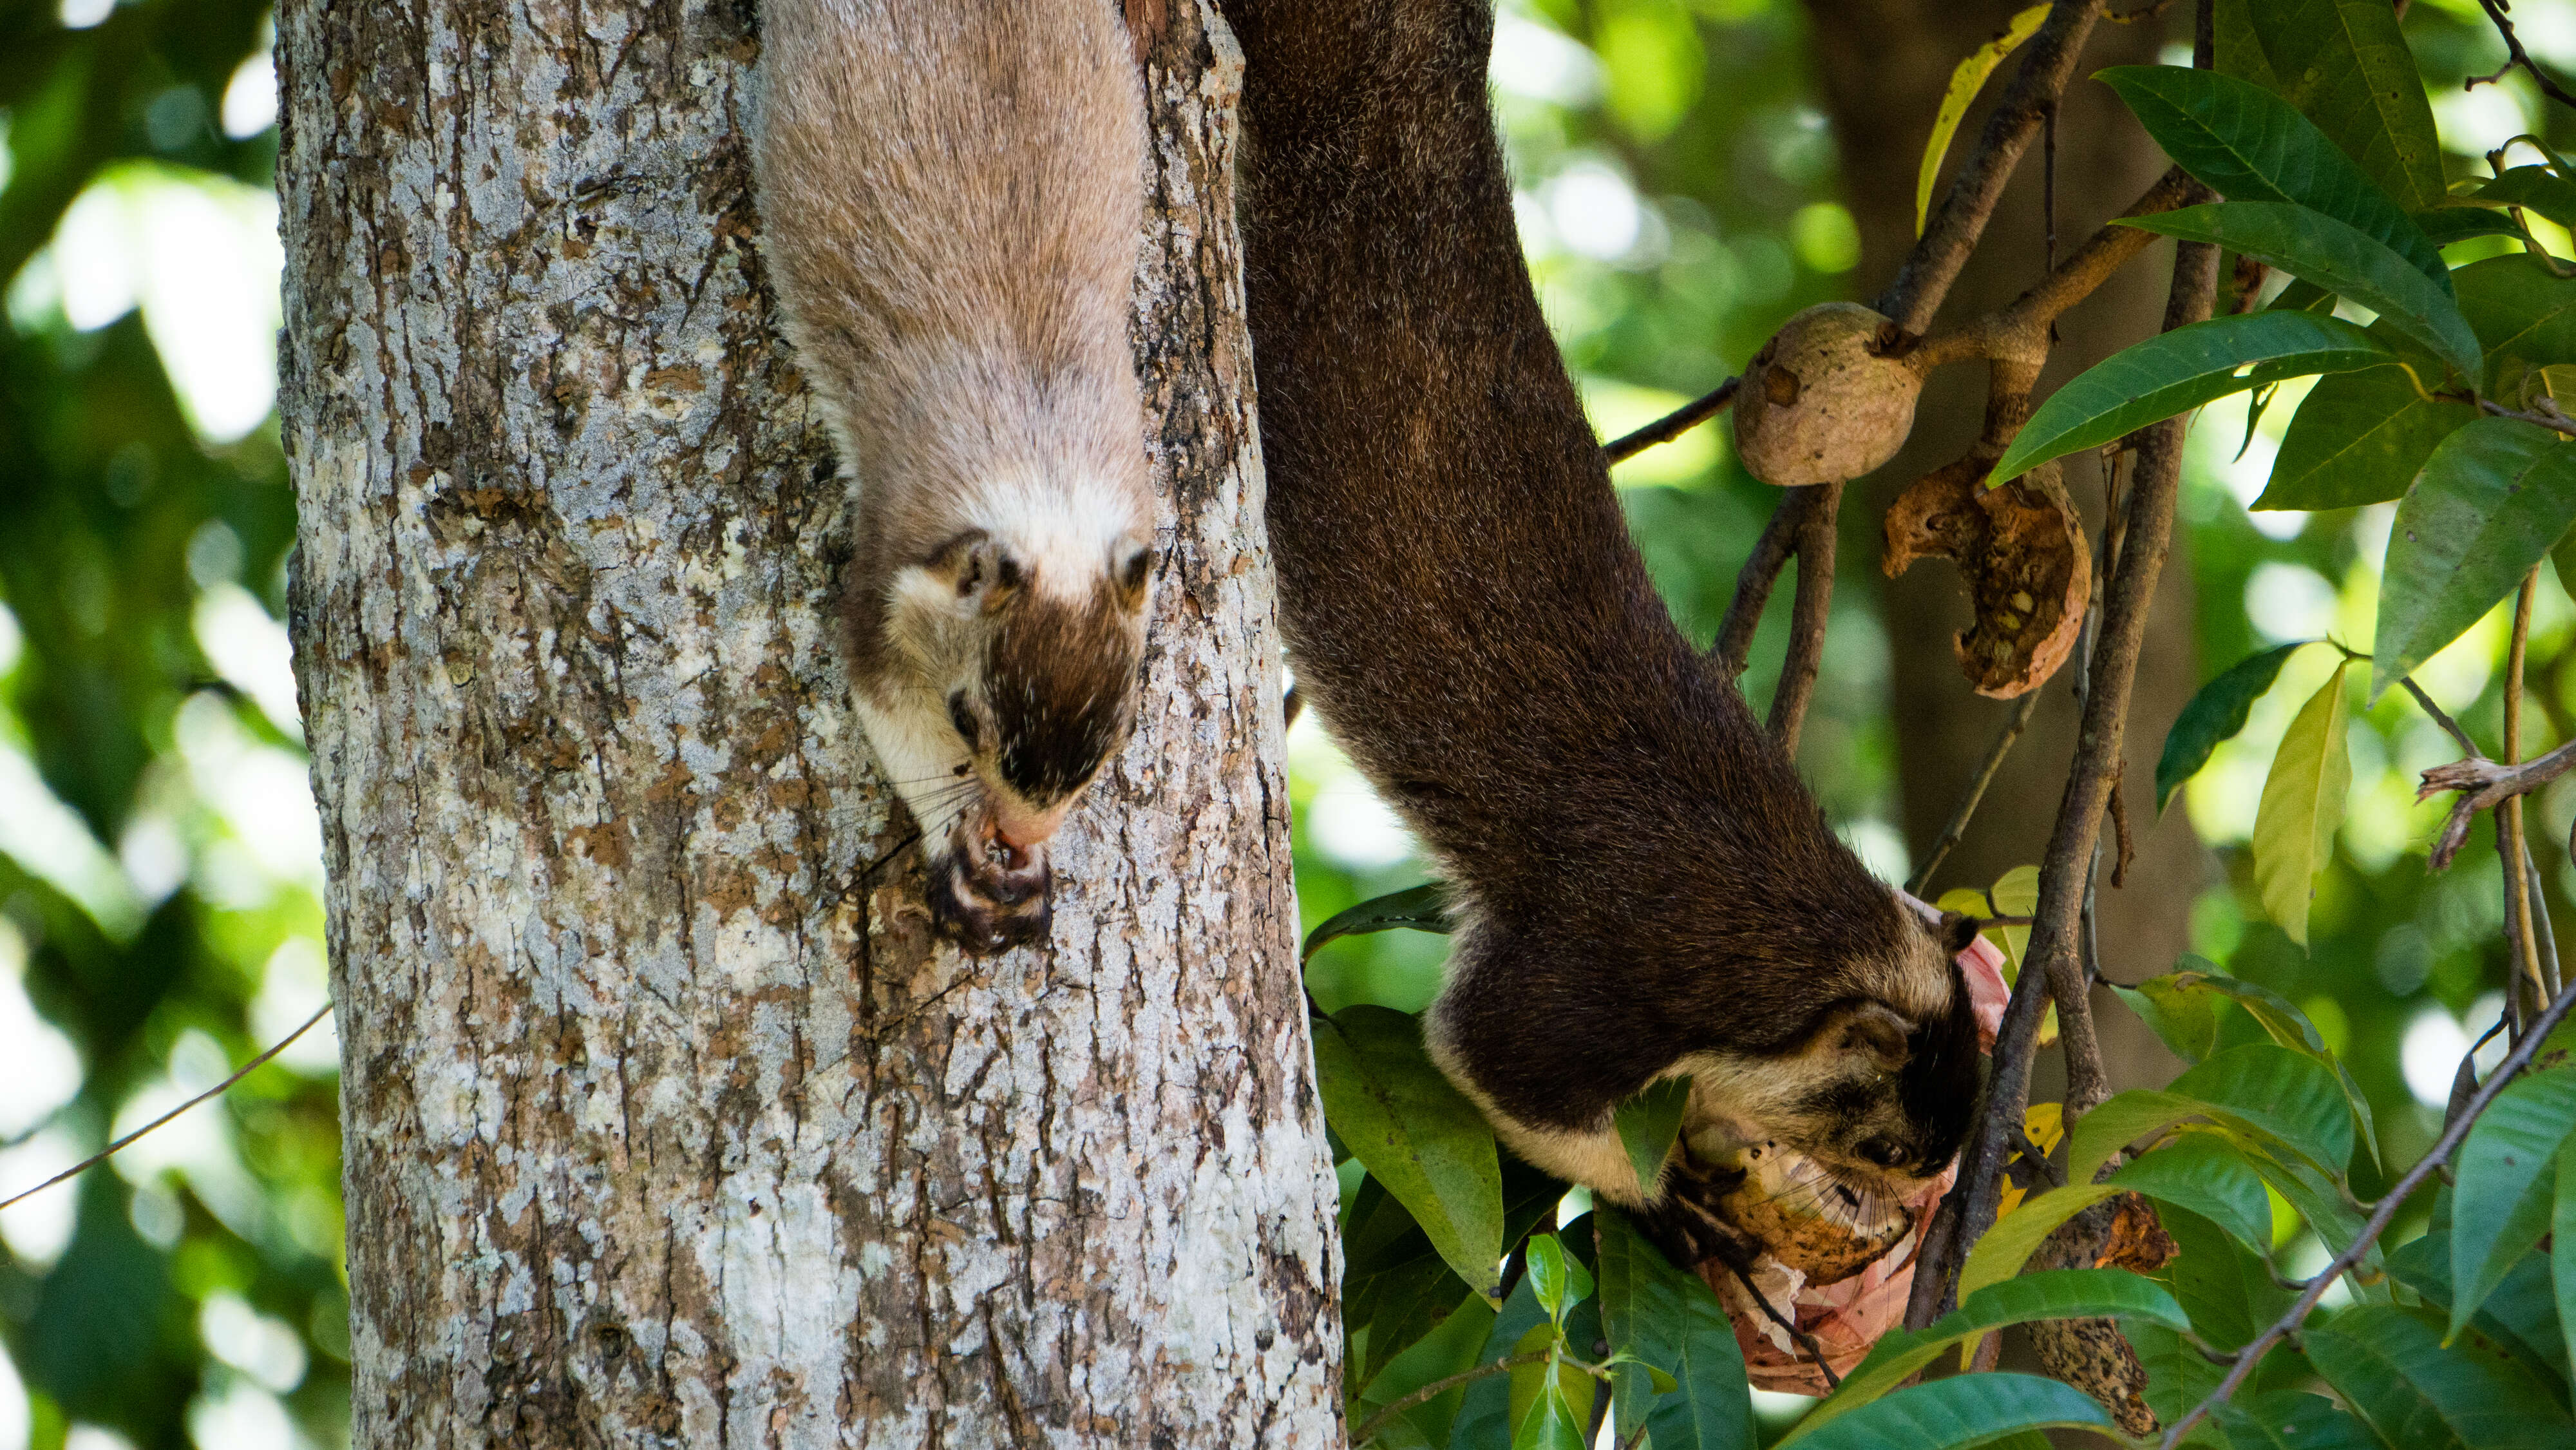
(1806, 1219)
(2021, 550)
(1828, 398)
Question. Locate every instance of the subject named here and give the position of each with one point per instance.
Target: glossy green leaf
(2008, 1245)
(2360, 438)
(2050, 1294)
(2345, 66)
(2238, 47)
(2248, 144)
(2340, 258)
(2391, 1366)
(1668, 1318)
(1649, 1124)
(1447, 1350)
(2448, 224)
(2204, 1173)
(2534, 188)
(2290, 1420)
(1971, 1409)
(1965, 81)
(1559, 1280)
(2215, 715)
(2302, 804)
(2562, 1259)
(2177, 371)
(2288, 1095)
(1484, 1416)
(2183, 1007)
(2489, 503)
(1416, 908)
(1415, 1134)
(2322, 1201)
(2505, 1179)
(2520, 1316)
(1550, 1400)
(2524, 314)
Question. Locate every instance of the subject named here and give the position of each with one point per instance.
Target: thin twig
(2509, 819)
(1808, 615)
(1439, 1387)
(1733, 647)
(2449, 726)
(2515, 55)
(1672, 425)
(112, 1149)
(1805, 1340)
(1969, 799)
(2483, 783)
(2386, 1212)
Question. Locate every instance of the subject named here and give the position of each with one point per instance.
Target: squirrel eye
(962, 718)
(1884, 1152)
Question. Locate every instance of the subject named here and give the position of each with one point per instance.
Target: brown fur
(951, 192)
(1649, 888)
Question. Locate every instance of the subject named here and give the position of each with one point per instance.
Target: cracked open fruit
(2020, 549)
(1829, 397)
(1806, 1218)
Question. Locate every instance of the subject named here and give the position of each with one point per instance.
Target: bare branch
(2484, 783)
(1808, 616)
(1733, 647)
(1961, 814)
(2515, 55)
(2386, 1211)
(218, 1090)
(1672, 425)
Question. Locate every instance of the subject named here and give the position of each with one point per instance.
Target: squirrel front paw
(988, 895)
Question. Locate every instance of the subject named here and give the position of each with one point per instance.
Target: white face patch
(1069, 534)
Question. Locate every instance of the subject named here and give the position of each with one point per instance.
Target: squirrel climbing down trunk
(951, 194)
(1645, 887)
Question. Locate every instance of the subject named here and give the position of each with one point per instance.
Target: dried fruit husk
(1806, 1218)
(1829, 398)
(2020, 549)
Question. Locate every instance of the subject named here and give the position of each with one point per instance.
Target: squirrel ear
(1134, 565)
(1868, 1029)
(976, 569)
(1957, 931)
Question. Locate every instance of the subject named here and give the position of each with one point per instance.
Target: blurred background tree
(1682, 190)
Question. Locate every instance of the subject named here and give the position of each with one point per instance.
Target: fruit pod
(2021, 552)
(1830, 397)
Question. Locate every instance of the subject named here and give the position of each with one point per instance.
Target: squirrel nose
(1021, 830)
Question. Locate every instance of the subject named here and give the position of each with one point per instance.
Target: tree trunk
(1884, 66)
(666, 1122)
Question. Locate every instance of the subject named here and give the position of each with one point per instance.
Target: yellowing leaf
(1965, 82)
(2294, 827)
(2045, 1125)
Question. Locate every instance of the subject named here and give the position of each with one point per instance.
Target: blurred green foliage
(159, 908)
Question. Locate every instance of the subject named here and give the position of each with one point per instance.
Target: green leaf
(1416, 908)
(2250, 145)
(2520, 1318)
(2007, 1246)
(2204, 1173)
(2317, 248)
(2359, 438)
(1649, 1124)
(2177, 371)
(1668, 1318)
(2533, 188)
(1485, 1416)
(2286, 1095)
(2216, 714)
(1559, 1281)
(1965, 82)
(2524, 314)
(2183, 1007)
(1450, 1349)
(2500, 1204)
(2239, 49)
(2390, 1365)
(1555, 1422)
(2289, 1420)
(2562, 1259)
(2345, 66)
(2489, 503)
(2050, 1294)
(1968, 1409)
(2303, 798)
(1415, 1134)
(2448, 224)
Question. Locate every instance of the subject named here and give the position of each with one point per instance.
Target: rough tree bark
(1884, 65)
(666, 1124)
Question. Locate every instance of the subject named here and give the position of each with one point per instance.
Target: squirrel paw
(987, 895)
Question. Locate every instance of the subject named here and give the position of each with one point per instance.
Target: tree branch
(2515, 55)
(2483, 783)
(1975, 793)
(1672, 425)
(2386, 1211)
(1437, 1388)
(1808, 616)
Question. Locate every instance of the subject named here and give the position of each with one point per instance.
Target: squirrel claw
(988, 896)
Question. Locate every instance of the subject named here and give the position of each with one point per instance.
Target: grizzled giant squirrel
(1645, 888)
(952, 196)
